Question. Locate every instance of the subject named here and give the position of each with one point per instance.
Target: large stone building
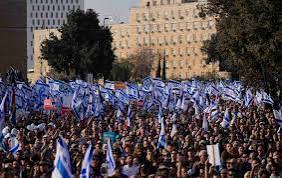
(13, 35)
(41, 67)
(173, 30)
(46, 14)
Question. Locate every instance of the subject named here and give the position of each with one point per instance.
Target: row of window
(48, 22)
(54, 8)
(187, 51)
(48, 15)
(172, 14)
(53, 1)
(168, 27)
(165, 40)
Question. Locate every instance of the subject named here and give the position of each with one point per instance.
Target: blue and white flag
(110, 159)
(226, 119)
(162, 142)
(109, 85)
(85, 168)
(248, 98)
(14, 145)
(205, 124)
(266, 98)
(62, 163)
(278, 116)
(173, 130)
(2, 113)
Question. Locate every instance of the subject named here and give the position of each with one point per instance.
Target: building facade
(13, 35)
(46, 14)
(41, 67)
(173, 30)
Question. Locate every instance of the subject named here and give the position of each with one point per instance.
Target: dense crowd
(250, 147)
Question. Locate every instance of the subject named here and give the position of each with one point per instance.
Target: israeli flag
(162, 142)
(14, 147)
(226, 119)
(248, 98)
(278, 116)
(62, 163)
(110, 159)
(109, 85)
(173, 130)
(205, 124)
(266, 98)
(85, 168)
(2, 112)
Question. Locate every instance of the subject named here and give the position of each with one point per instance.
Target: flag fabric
(162, 142)
(13, 108)
(62, 163)
(173, 130)
(2, 112)
(14, 147)
(278, 116)
(226, 119)
(85, 168)
(205, 124)
(248, 98)
(110, 159)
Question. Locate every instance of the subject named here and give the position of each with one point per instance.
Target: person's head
(228, 147)
(129, 160)
(223, 173)
(231, 164)
(276, 157)
(16, 165)
(44, 167)
(203, 155)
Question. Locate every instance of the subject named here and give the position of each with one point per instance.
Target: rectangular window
(57, 15)
(33, 8)
(48, 22)
(59, 22)
(54, 22)
(30, 1)
(46, 14)
(67, 1)
(73, 7)
(72, 1)
(38, 8)
(59, 7)
(33, 22)
(48, 7)
(68, 7)
(76, 1)
(62, 15)
(31, 15)
(51, 1)
(51, 14)
(63, 7)
(38, 22)
(53, 7)
(36, 15)
(41, 15)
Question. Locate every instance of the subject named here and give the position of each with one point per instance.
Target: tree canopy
(83, 47)
(248, 41)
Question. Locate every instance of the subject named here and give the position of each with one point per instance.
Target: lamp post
(104, 20)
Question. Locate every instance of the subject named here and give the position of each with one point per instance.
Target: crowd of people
(250, 147)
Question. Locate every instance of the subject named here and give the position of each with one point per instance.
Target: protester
(250, 143)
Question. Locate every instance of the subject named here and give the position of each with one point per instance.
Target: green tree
(121, 71)
(164, 69)
(158, 72)
(84, 46)
(248, 41)
(142, 63)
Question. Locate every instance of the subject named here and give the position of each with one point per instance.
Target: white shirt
(130, 171)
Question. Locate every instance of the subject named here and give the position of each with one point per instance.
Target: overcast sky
(117, 9)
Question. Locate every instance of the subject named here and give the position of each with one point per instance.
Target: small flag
(205, 124)
(85, 168)
(173, 130)
(278, 116)
(62, 163)
(226, 119)
(14, 147)
(110, 159)
(162, 142)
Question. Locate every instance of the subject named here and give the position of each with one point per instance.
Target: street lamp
(104, 20)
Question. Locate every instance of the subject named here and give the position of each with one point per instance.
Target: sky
(117, 10)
